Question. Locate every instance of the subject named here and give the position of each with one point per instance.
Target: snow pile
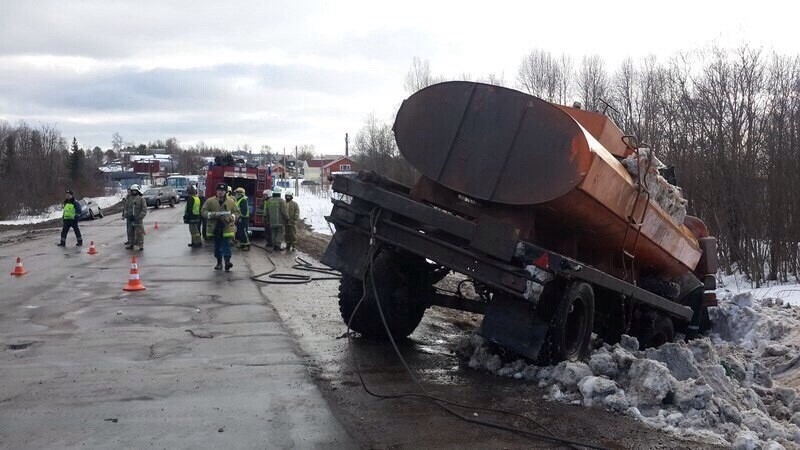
(315, 204)
(668, 197)
(717, 389)
(55, 211)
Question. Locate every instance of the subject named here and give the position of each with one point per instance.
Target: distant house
(278, 171)
(312, 169)
(341, 166)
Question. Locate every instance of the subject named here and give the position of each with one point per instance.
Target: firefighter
(276, 208)
(72, 210)
(292, 216)
(243, 224)
(192, 216)
(265, 217)
(125, 201)
(134, 212)
(221, 212)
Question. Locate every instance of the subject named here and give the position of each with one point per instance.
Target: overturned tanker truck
(562, 223)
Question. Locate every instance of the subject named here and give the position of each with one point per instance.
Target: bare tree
(419, 76)
(593, 82)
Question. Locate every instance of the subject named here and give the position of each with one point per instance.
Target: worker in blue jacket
(71, 213)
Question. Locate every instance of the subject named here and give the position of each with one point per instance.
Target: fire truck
(236, 173)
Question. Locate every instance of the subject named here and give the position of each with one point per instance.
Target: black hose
(294, 278)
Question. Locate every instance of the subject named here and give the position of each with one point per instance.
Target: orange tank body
(551, 170)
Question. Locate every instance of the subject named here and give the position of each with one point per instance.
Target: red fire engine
(254, 180)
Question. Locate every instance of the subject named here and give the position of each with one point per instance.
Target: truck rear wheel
(570, 334)
(400, 300)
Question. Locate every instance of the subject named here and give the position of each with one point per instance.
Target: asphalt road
(198, 360)
(205, 359)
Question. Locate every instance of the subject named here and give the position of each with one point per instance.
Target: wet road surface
(198, 360)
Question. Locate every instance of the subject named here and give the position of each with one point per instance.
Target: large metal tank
(501, 146)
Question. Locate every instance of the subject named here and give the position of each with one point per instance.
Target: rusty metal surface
(492, 143)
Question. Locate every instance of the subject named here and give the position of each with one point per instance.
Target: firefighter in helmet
(243, 224)
(276, 209)
(292, 217)
(135, 210)
(221, 212)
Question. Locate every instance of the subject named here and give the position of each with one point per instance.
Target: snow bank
(54, 211)
(717, 389)
(315, 204)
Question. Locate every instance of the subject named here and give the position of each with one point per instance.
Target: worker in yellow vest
(70, 215)
(243, 225)
(192, 216)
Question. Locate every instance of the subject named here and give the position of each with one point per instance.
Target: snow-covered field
(737, 284)
(314, 205)
(54, 211)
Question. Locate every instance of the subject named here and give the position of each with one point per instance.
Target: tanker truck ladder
(635, 226)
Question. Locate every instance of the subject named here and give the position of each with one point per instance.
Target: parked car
(89, 210)
(157, 196)
(309, 183)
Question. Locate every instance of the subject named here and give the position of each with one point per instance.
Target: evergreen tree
(76, 162)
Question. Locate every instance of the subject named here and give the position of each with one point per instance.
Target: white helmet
(267, 193)
(135, 187)
(277, 190)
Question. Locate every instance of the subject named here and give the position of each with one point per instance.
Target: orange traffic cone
(133, 282)
(92, 250)
(156, 227)
(18, 270)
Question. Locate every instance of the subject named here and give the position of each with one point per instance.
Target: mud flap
(514, 324)
(347, 252)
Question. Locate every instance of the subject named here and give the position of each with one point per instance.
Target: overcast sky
(305, 72)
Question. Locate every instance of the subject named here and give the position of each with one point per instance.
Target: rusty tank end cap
(492, 143)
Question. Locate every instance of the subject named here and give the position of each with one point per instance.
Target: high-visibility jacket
(228, 221)
(243, 206)
(192, 212)
(69, 211)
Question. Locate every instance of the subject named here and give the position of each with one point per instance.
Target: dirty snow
(667, 196)
(54, 211)
(717, 389)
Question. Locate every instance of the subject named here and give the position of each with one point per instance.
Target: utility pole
(346, 145)
(296, 183)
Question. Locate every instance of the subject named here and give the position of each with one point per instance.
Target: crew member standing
(243, 224)
(265, 217)
(135, 210)
(192, 216)
(276, 208)
(128, 198)
(221, 212)
(292, 217)
(72, 210)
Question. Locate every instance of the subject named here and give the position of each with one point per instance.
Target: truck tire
(401, 309)
(570, 335)
(656, 331)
